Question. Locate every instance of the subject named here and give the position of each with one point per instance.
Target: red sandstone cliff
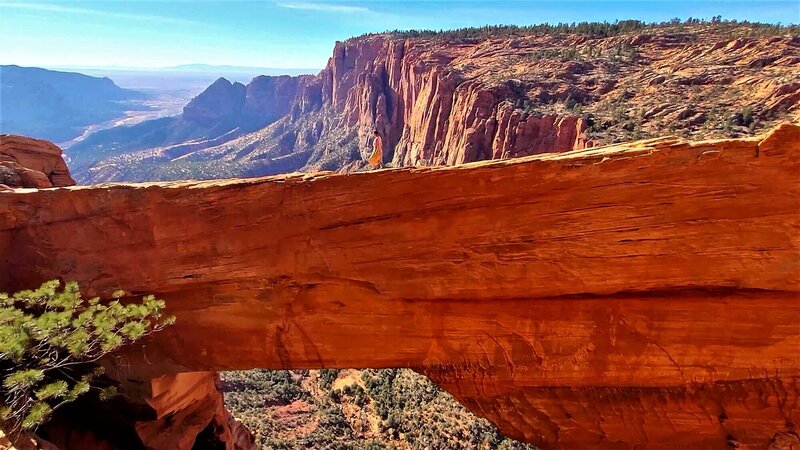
(31, 163)
(186, 406)
(427, 109)
(635, 296)
(221, 99)
(443, 100)
(432, 113)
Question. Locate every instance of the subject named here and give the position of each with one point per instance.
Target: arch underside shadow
(560, 373)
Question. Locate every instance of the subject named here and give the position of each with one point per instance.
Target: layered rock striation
(430, 112)
(633, 296)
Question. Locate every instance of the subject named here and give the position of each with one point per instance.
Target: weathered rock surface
(431, 112)
(187, 405)
(27, 441)
(29, 162)
(635, 296)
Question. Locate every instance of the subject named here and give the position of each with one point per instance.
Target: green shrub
(593, 29)
(326, 377)
(747, 116)
(51, 340)
(261, 388)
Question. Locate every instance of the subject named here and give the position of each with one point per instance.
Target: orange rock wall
(636, 296)
(185, 404)
(33, 163)
(428, 113)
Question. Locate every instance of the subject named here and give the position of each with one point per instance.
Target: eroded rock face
(189, 407)
(429, 112)
(636, 296)
(31, 163)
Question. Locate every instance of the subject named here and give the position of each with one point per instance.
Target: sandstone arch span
(633, 296)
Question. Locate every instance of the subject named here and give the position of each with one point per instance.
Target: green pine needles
(51, 340)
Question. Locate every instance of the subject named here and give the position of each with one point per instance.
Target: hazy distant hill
(222, 112)
(58, 105)
(187, 77)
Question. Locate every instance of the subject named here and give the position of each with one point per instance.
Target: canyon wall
(447, 99)
(428, 112)
(634, 296)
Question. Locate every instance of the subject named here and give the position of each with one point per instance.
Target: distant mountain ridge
(219, 69)
(191, 77)
(56, 105)
(222, 112)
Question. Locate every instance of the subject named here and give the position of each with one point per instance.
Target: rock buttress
(31, 163)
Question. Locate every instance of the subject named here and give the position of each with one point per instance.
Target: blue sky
(290, 34)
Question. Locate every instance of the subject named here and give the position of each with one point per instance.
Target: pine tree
(51, 340)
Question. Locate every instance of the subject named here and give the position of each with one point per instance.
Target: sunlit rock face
(634, 296)
(190, 414)
(431, 109)
(33, 163)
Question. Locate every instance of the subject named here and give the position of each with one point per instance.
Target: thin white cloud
(324, 7)
(95, 12)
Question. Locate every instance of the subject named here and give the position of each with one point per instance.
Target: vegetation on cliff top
(593, 29)
(51, 340)
(355, 409)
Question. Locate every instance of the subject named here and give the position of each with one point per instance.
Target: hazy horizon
(190, 66)
(291, 34)
(198, 68)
